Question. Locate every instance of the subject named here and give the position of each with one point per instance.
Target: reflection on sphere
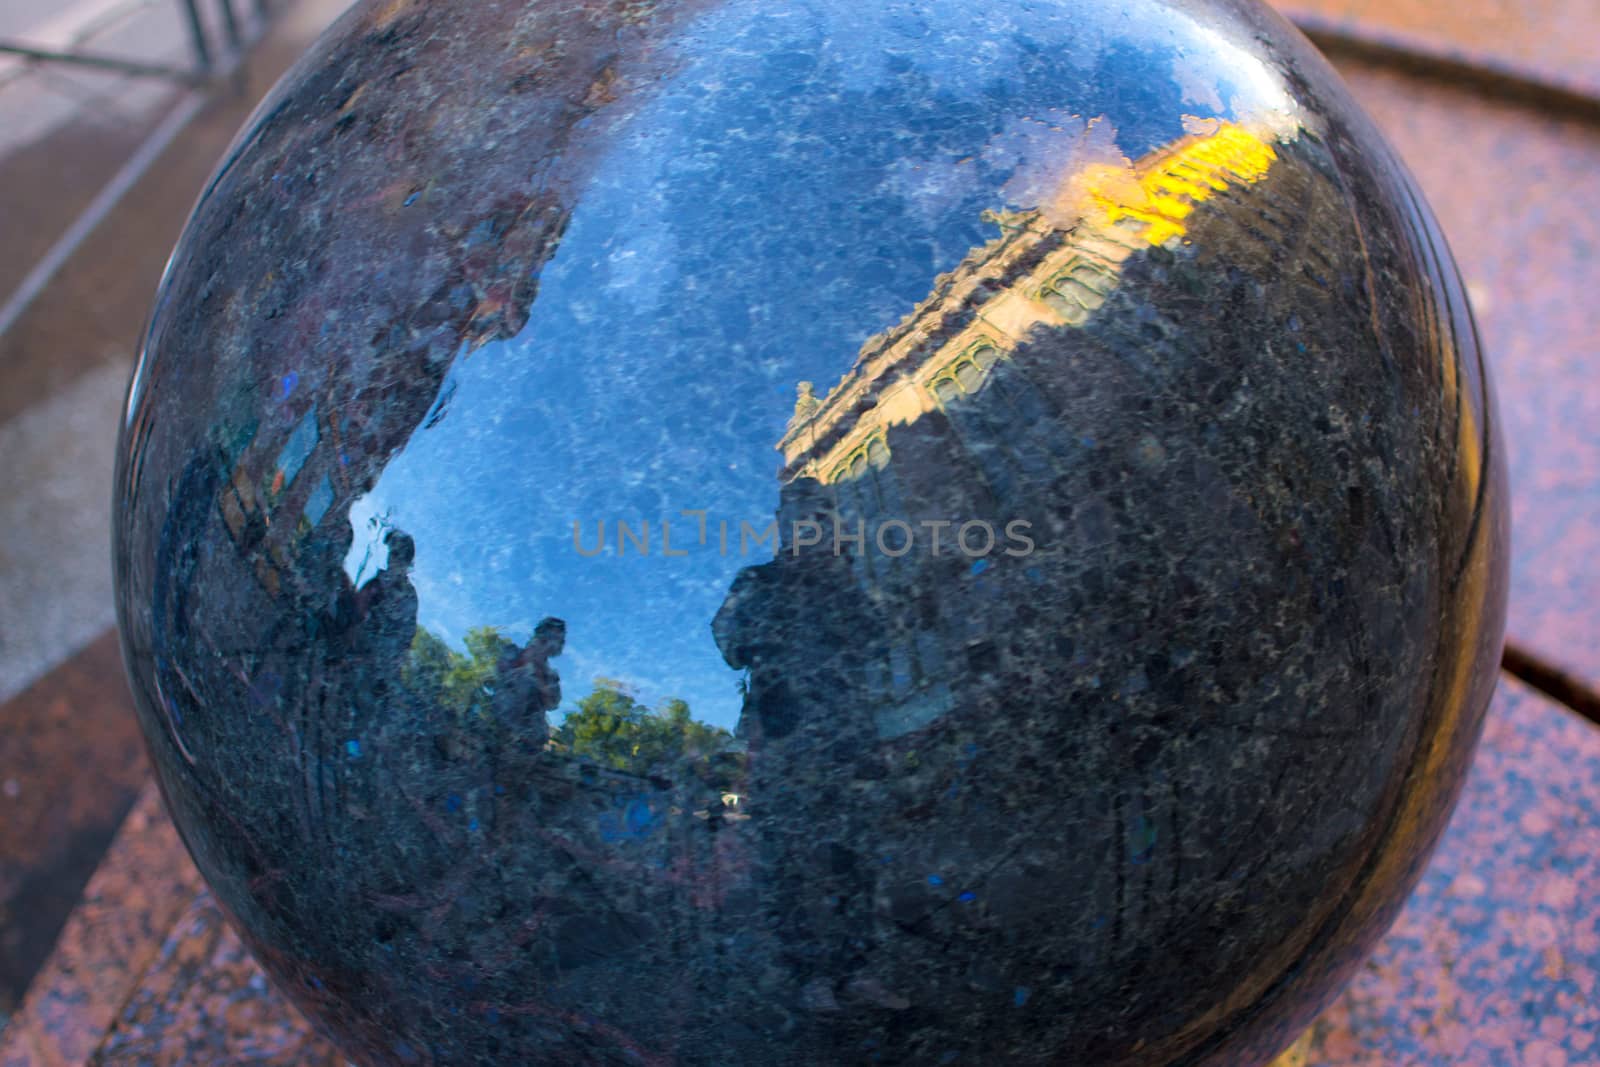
(679, 534)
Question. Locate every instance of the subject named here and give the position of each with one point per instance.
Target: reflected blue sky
(767, 210)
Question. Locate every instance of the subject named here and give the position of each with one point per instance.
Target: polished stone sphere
(722, 533)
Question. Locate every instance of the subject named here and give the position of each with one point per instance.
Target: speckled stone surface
(1127, 304)
(1547, 41)
(1529, 258)
(115, 932)
(1496, 959)
(71, 764)
(205, 1001)
(146, 972)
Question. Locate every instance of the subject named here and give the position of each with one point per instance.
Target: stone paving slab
(1495, 958)
(71, 764)
(1550, 42)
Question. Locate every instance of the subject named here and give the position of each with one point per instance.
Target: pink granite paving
(206, 1002)
(117, 929)
(148, 973)
(1549, 41)
(1494, 961)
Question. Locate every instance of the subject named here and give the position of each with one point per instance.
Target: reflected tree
(612, 728)
(460, 682)
(609, 727)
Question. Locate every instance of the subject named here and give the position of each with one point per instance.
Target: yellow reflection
(1038, 272)
(1297, 1054)
(1173, 181)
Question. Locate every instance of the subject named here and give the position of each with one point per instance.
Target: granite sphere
(713, 532)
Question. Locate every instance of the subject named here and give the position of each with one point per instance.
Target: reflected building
(326, 443)
(901, 438)
(1037, 274)
(916, 705)
(314, 662)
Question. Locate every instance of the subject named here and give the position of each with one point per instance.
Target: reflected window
(968, 374)
(1074, 293)
(878, 678)
(1089, 276)
(1064, 306)
(296, 450)
(320, 500)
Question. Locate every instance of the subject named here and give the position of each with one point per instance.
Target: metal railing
(237, 31)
